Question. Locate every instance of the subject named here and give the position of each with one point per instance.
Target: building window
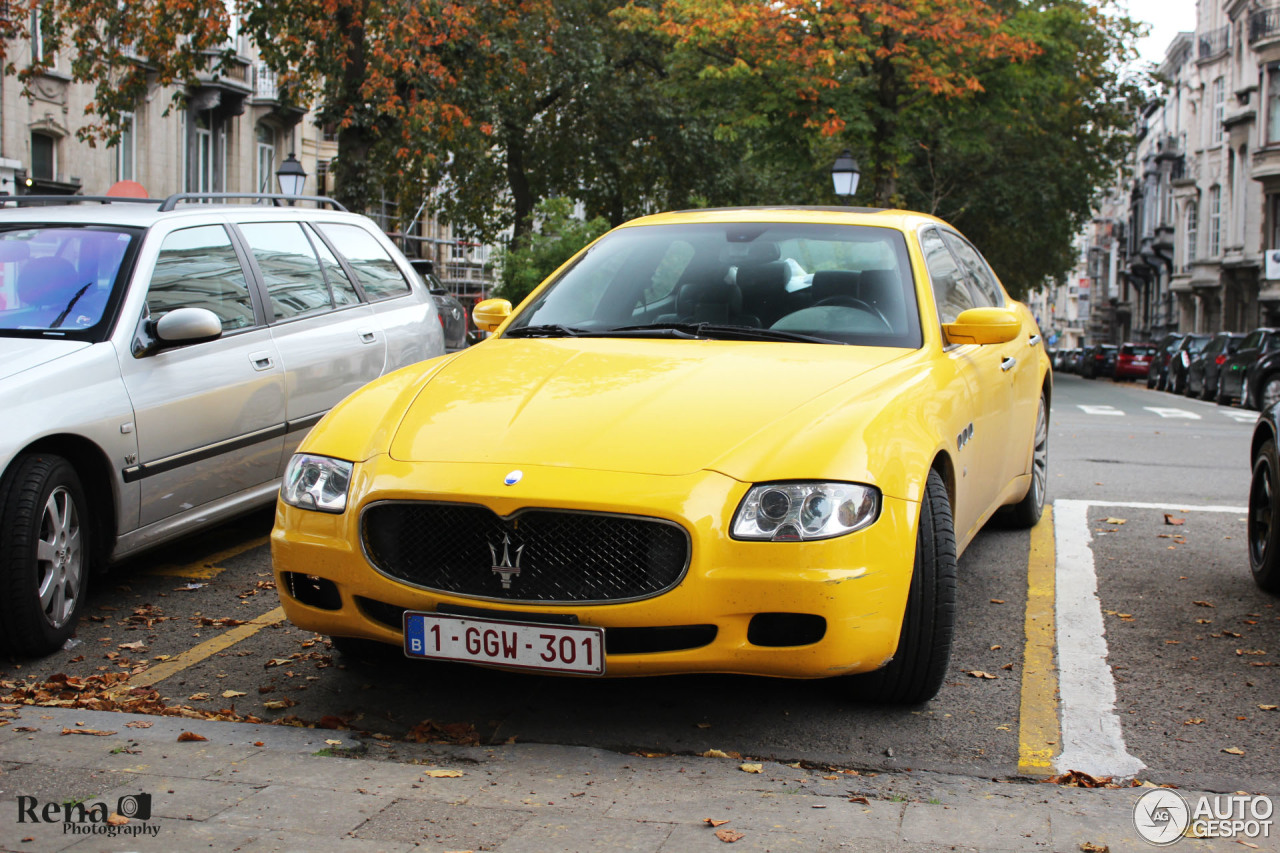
(1219, 107)
(1273, 208)
(322, 177)
(266, 159)
(1273, 104)
(126, 148)
(1193, 227)
(44, 156)
(1215, 221)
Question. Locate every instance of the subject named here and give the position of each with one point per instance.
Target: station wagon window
(344, 292)
(377, 272)
(58, 278)
(986, 293)
(290, 269)
(949, 289)
(199, 268)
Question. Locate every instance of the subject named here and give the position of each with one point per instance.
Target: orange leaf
(186, 737)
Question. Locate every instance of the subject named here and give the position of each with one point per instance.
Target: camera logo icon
(134, 806)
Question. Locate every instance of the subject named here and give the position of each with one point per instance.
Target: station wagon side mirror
(179, 326)
(983, 326)
(490, 314)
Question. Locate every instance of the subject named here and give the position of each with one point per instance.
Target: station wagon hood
(18, 355)
(641, 406)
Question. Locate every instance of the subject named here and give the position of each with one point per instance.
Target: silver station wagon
(159, 363)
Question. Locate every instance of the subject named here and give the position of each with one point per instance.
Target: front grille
(535, 555)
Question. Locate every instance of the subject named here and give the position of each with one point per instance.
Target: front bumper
(854, 586)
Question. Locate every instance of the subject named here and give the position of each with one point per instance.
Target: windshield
(837, 284)
(59, 279)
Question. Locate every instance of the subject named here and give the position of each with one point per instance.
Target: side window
(344, 292)
(290, 269)
(199, 268)
(949, 289)
(378, 273)
(986, 291)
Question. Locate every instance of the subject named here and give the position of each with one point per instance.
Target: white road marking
(1241, 416)
(1173, 413)
(1101, 410)
(1092, 738)
(1174, 507)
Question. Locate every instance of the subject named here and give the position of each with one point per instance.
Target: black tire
(1026, 512)
(1207, 392)
(45, 548)
(924, 645)
(1264, 519)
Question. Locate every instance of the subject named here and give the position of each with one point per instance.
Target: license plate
(518, 645)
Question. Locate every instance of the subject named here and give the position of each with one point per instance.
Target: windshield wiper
(57, 321)
(720, 331)
(549, 330)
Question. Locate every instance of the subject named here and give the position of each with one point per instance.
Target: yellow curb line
(208, 567)
(195, 654)
(1039, 735)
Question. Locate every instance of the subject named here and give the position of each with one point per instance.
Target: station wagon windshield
(59, 278)
(837, 284)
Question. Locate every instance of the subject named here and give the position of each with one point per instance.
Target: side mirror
(983, 326)
(179, 326)
(490, 314)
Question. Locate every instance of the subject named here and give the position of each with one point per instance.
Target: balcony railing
(1214, 43)
(1263, 24)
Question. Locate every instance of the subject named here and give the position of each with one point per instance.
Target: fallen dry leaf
(114, 819)
(94, 732)
(751, 768)
(1234, 750)
(198, 697)
(1248, 844)
(188, 737)
(1114, 520)
(710, 821)
(977, 673)
(1194, 721)
(1203, 603)
(1268, 707)
(279, 704)
(1090, 847)
(232, 694)
(1080, 779)
(140, 724)
(728, 836)
(443, 774)
(1169, 519)
(997, 601)
(715, 753)
(862, 800)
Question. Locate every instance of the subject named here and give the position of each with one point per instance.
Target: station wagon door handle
(368, 336)
(261, 360)
(1033, 340)
(1008, 364)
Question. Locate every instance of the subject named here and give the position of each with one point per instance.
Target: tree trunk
(518, 182)
(351, 171)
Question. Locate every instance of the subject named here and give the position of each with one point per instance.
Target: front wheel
(924, 645)
(44, 554)
(1026, 512)
(1268, 392)
(1264, 519)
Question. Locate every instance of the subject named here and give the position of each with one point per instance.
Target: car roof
(900, 219)
(144, 213)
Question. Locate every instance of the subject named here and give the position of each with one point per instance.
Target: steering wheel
(855, 302)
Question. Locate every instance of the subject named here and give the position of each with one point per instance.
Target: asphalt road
(1188, 651)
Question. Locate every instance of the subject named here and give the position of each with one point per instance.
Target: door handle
(261, 360)
(1008, 364)
(1033, 340)
(367, 336)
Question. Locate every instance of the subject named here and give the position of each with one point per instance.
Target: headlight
(316, 482)
(793, 512)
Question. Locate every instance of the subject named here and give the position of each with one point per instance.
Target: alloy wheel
(59, 558)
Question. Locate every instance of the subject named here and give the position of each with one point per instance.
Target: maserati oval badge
(514, 477)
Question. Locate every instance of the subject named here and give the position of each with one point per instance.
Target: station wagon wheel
(1027, 512)
(924, 645)
(44, 554)
(1270, 394)
(1264, 519)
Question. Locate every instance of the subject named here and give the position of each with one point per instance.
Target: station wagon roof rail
(170, 203)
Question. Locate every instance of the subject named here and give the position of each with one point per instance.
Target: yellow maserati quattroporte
(737, 441)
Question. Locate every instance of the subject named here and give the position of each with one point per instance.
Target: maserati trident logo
(506, 569)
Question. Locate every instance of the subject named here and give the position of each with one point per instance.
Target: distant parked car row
(1231, 368)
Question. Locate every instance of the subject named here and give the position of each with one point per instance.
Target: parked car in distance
(1202, 376)
(1076, 364)
(1158, 374)
(1238, 375)
(453, 314)
(160, 362)
(1263, 524)
(1133, 361)
(461, 499)
(1099, 360)
(1180, 361)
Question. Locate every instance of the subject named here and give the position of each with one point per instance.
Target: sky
(1167, 18)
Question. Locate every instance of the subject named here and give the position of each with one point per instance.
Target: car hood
(21, 354)
(639, 406)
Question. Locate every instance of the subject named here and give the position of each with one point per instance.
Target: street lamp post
(845, 174)
(291, 176)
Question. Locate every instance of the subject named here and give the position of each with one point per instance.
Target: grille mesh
(562, 556)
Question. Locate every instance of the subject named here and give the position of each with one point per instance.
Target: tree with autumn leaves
(1001, 117)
